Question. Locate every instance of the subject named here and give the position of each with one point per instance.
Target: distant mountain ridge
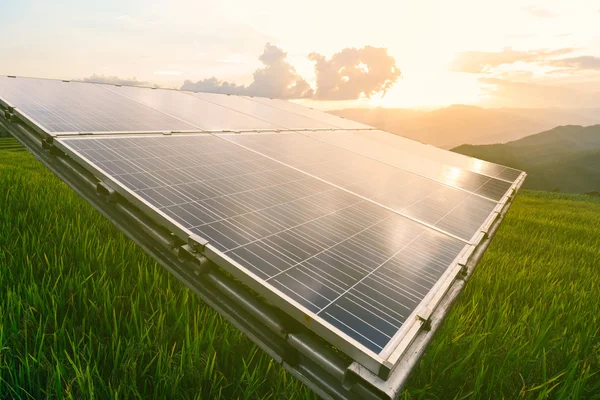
(566, 158)
(458, 124)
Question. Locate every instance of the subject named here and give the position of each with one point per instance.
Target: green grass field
(84, 313)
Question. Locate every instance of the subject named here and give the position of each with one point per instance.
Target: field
(84, 313)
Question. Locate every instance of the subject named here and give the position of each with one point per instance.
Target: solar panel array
(352, 225)
(82, 107)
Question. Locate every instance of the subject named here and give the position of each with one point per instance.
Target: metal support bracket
(197, 244)
(463, 273)
(8, 115)
(48, 145)
(425, 317)
(106, 191)
(195, 261)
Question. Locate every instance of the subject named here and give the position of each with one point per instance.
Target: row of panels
(59, 106)
(354, 264)
(82, 107)
(352, 225)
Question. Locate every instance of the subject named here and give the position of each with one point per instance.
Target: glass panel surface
(411, 160)
(333, 120)
(352, 263)
(277, 117)
(82, 107)
(457, 212)
(202, 114)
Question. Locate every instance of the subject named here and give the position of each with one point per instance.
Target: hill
(458, 124)
(87, 314)
(565, 158)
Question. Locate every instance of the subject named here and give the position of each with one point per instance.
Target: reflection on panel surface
(194, 110)
(442, 156)
(82, 107)
(279, 118)
(458, 212)
(358, 266)
(362, 143)
(329, 119)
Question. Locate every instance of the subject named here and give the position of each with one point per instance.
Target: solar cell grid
(321, 246)
(439, 155)
(361, 143)
(202, 114)
(279, 118)
(329, 119)
(459, 212)
(81, 107)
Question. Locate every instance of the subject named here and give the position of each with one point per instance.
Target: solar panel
(362, 143)
(354, 232)
(358, 267)
(329, 119)
(81, 107)
(280, 118)
(459, 212)
(436, 154)
(195, 111)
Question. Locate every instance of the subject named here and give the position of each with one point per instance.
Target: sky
(329, 54)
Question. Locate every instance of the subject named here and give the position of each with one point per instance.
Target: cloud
(519, 75)
(539, 12)
(354, 73)
(277, 78)
(348, 75)
(503, 92)
(213, 85)
(115, 80)
(576, 63)
(476, 62)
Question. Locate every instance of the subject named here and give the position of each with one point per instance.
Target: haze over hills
(459, 124)
(565, 158)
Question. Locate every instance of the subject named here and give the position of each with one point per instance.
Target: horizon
(356, 107)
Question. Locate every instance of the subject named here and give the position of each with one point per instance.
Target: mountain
(565, 158)
(451, 126)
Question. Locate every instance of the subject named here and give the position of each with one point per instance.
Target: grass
(8, 144)
(84, 313)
